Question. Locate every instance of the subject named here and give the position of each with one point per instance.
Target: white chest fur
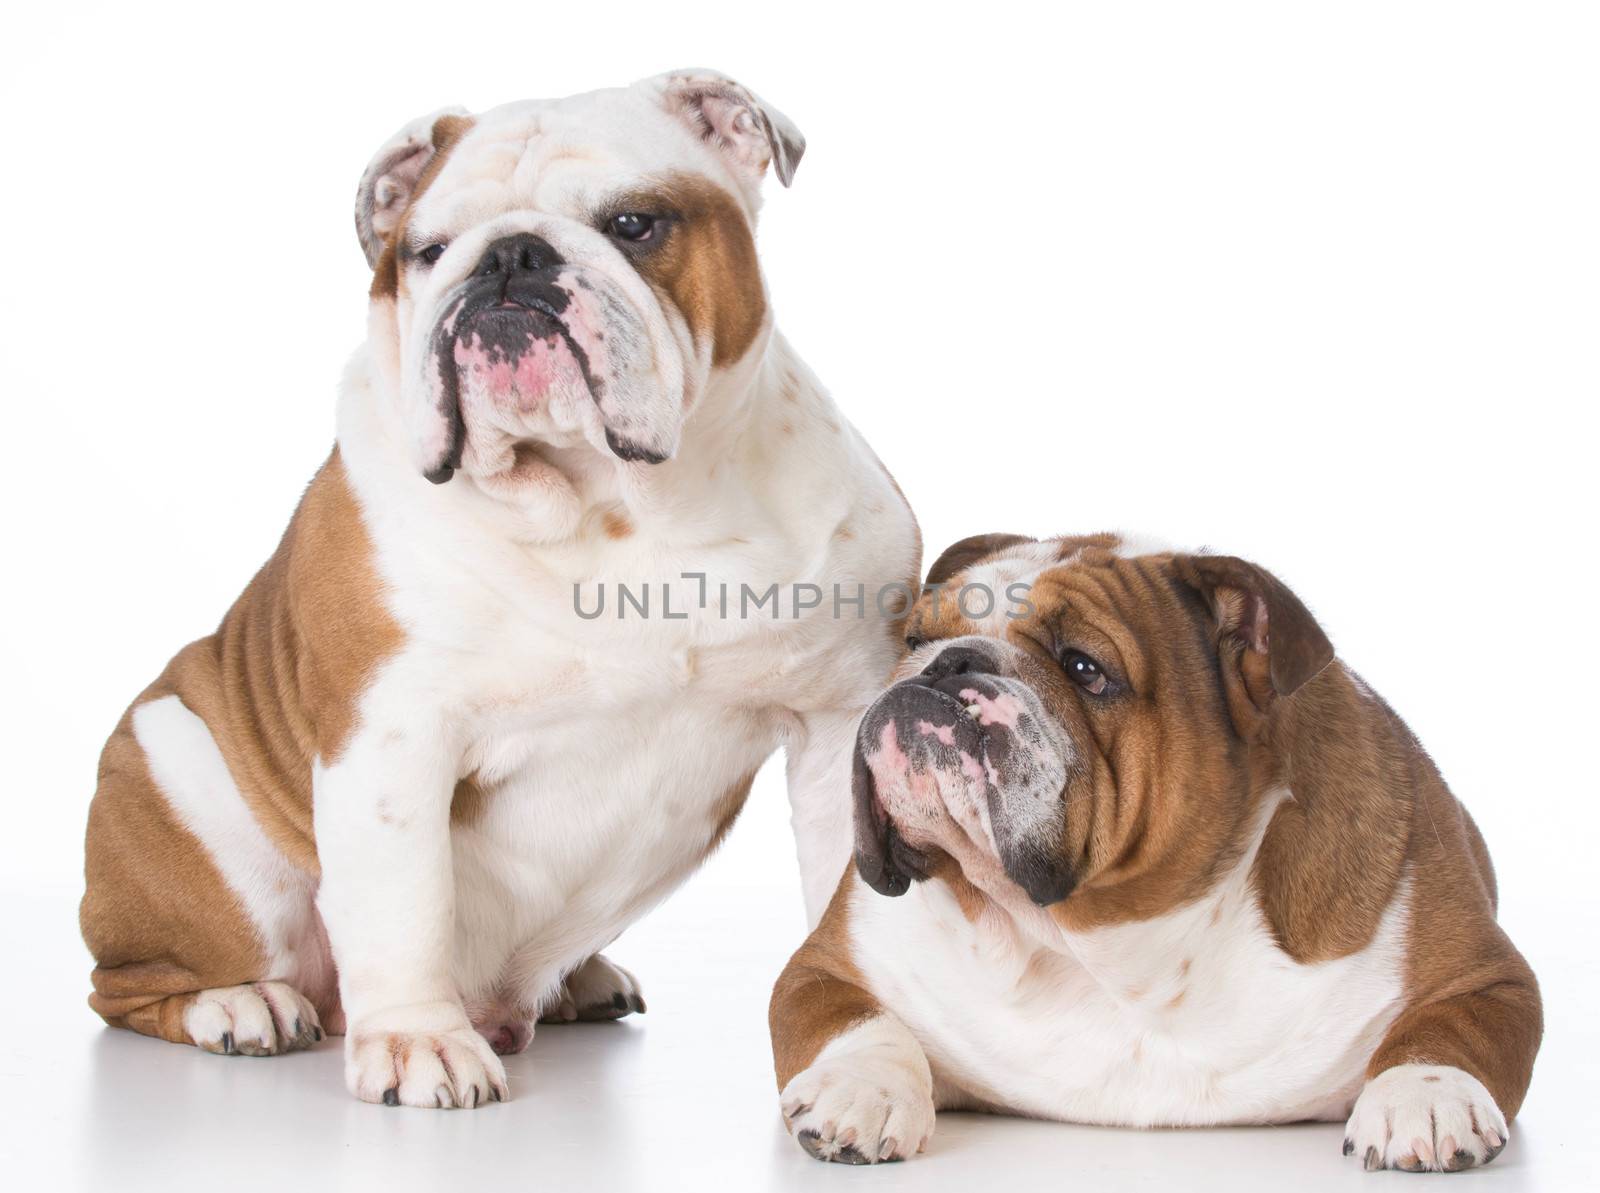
(609, 745)
(1196, 1017)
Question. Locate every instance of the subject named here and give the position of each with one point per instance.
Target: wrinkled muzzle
(528, 346)
(963, 760)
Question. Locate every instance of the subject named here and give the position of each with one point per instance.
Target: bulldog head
(1079, 719)
(554, 273)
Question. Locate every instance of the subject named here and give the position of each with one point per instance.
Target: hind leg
(203, 931)
(257, 1019)
(597, 989)
(261, 1019)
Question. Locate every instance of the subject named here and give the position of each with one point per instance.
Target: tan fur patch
(615, 524)
(820, 994)
(706, 265)
(468, 802)
(726, 810)
(447, 133)
(277, 686)
(156, 914)
(1178, 766)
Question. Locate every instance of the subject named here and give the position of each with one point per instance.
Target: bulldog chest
(586, 809)
(1193, 1018)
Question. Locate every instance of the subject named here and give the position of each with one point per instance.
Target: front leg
(854, 1084)
(387, 897)
(1446, 1078)
(818, 762)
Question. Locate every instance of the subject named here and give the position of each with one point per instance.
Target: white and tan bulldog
(1160, 859)
(504, 685)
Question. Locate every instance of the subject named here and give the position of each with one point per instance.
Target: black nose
(958, 660)
(520, 254)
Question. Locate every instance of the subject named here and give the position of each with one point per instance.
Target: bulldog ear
(746, 129)
(1255, 609)
(962, 555)
(391, 177)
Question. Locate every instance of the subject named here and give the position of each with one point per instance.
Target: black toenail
(299, 1028)
(1372, 1161)
(619, 1000)
(391, 1097)
(227, 1042)
(1349, 1147)
(316, 1033)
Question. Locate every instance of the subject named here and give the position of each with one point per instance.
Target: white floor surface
(679, 1098)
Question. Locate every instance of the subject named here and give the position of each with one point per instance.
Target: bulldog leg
(819, 800)
(1445, 1080)
(189, 908)
(387, 898)
(855, 1086)
(598, 989)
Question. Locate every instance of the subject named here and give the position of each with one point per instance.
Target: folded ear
(962, 555)
(1257, 611)
(392, 176)
(746, 129)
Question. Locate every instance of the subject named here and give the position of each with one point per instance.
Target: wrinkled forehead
(565, 156)
(1031, 581)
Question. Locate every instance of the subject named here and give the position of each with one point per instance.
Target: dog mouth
(957, 765)
(505, 355)
(907, 734)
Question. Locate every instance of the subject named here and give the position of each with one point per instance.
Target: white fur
(1133, 546)
(261, 1019)
(1433, 1118)
(1111, 1026)
(607, 744)
(1008, 574)
(607, 747)
(869, 1091)
(192, 776)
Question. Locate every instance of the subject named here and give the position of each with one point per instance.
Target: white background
(1315, 284)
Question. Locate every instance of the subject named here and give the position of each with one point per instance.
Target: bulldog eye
(431, 254)
(631, 225)
(1084, 672)
(913, 642)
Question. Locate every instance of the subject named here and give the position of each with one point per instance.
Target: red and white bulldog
(492, 699)
(1159, 859)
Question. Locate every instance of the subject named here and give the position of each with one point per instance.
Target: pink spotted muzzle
(962, 756)
(525, 329)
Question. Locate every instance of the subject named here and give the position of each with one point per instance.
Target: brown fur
(819, 995)
(1227, 691)
(726, 811)
(387, 280)
(615, 525)
(469, 801)
(277, 686)
(705, 264)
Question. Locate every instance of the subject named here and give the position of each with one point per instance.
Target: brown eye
(913, 642)
(631, 225)
(431, 254)
(1084, 672)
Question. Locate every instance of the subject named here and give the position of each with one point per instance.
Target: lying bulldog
(491, 698)
(1160, 859)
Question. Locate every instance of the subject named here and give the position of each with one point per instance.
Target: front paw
(1425, 1118)
(858, 1110)
(447, 1068)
